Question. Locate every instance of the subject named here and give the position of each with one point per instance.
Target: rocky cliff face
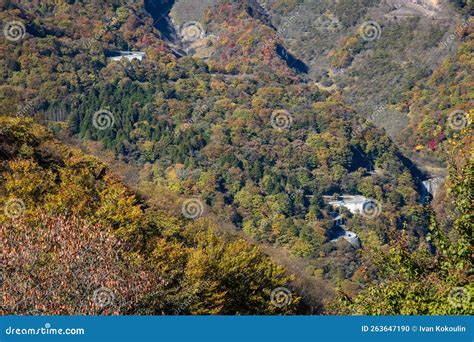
(159, 10)
(190, 10)
(184, 23)
(426, 8)
(372, 69)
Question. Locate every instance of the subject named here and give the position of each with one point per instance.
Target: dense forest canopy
(234, 157)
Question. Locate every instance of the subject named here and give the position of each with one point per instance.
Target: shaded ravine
(159, 11)
(291, 61)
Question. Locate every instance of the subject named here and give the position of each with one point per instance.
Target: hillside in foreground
(75, 240)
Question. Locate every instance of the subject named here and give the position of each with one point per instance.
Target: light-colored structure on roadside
(349, 236)
(355, 204)
(130, 55)
(352, 238)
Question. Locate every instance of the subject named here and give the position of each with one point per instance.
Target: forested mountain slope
(230, 126)
(75, 240)
(422, 283)
(372, 51)
(442, 106)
